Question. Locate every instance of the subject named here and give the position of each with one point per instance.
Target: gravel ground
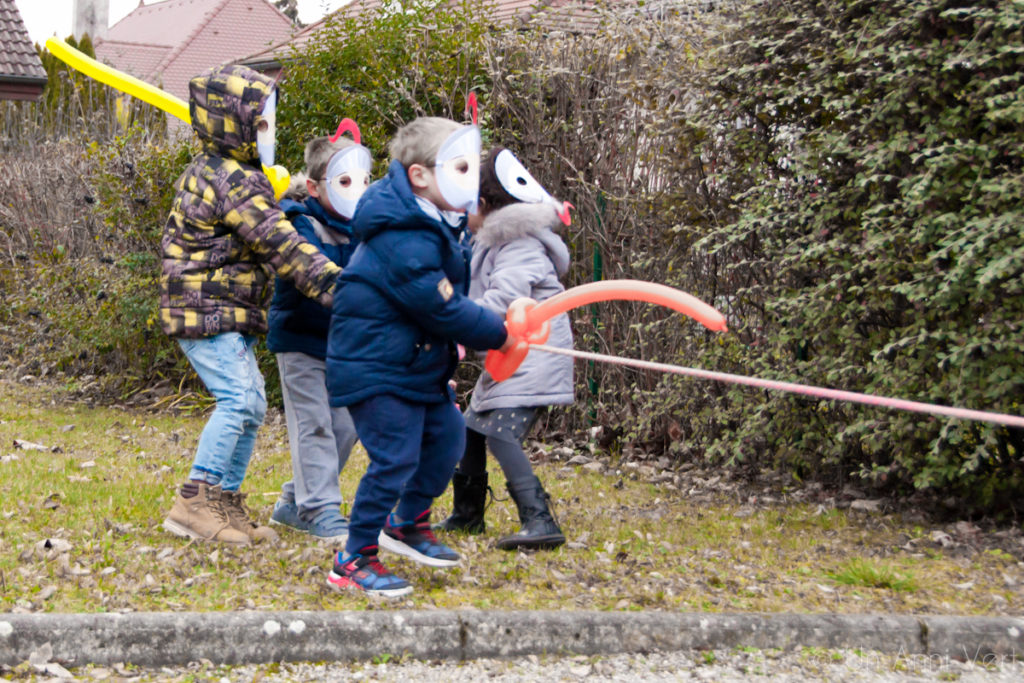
(732, 666)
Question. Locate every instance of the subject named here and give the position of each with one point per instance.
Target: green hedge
(879, 245)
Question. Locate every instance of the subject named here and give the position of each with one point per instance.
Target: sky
(44, 18)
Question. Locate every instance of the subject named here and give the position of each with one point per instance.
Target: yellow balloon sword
(150, 94)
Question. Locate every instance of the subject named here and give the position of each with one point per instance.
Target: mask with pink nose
(348, 172)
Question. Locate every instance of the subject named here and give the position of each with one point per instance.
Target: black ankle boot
(539, 529)
(469, 494)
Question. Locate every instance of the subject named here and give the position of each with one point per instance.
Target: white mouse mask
(347, 177)
(518, 182)
(458, 169)
(266, 139)
(348, 172)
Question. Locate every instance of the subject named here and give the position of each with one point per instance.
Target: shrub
(878, 246)
(81, 282)
(382, 69)
(595, 115)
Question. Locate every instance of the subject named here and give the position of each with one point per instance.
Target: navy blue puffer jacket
(402, 303)
(296, 322)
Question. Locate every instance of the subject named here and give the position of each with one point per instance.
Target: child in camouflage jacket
(224, 235)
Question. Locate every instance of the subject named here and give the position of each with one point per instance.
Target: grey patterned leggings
(509, 454)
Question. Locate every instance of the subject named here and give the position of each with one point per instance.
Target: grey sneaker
(329, 525)
(286, 513)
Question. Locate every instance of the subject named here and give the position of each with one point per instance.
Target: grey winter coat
(517, 254)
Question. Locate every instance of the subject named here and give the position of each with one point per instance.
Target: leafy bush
(879, 245)
(382, 69)
(595, 115)
(81, 283)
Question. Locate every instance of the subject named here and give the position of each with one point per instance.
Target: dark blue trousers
(413, 449)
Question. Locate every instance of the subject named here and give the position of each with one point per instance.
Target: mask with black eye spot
(519, 183)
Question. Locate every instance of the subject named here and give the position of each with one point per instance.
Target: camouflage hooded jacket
(225, 231)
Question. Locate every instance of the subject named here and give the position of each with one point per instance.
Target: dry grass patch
(83, 491)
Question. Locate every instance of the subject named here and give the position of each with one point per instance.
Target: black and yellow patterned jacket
(225, 232)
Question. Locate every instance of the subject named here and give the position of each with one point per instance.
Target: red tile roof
(571, 15)
(167, 43)
(166, 23)
(21, 72)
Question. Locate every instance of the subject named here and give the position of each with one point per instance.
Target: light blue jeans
(227, 365)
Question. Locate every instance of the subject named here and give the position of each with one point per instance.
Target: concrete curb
(174, 639)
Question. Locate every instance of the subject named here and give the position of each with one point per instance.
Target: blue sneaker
(329, 525)
(363, 571)
(415, 539)
(286, 513)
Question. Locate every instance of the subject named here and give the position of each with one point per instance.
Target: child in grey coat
(516, 253)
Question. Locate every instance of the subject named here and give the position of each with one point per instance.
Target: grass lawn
(83, 491)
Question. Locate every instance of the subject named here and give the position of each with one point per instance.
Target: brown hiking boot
(238, 513)
(199, 512)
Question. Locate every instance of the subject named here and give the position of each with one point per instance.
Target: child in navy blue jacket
(400, 310)
(320, 436)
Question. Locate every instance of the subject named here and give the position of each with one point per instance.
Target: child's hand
(517, 320)
(502, 363)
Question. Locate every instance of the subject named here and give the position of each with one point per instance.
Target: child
(400, 309)
(320, 437)
(515, 254)
(223, 232)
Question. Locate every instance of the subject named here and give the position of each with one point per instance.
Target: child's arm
(255, 217)
(418, 285)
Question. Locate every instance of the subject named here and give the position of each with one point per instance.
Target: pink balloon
(528, 321)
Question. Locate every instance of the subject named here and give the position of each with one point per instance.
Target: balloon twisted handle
(528, 322)
(524, 329)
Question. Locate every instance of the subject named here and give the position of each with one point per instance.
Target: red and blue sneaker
(415, 539)
(364, 571)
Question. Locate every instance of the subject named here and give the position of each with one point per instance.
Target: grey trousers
(320, 437)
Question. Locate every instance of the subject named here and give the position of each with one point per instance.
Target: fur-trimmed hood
(519, 220)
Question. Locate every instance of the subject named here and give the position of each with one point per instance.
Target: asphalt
(176, 638)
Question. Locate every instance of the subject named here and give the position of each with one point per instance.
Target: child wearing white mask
(401, 308)
(516, 253)
(320, 206)
(224, 236)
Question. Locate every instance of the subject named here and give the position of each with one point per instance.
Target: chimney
(91, 17)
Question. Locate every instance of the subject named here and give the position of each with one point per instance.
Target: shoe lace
(551, 508)
(375, 565)
(218, 506)
(234, 504)
(493, 498)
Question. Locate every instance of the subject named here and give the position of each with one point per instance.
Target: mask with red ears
(348, 172)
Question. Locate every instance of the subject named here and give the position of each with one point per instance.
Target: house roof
(167, 43)
(571, 15)
(22, 76)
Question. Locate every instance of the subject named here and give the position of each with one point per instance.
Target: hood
(389, 204)
(525, 220)
(224, 103)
